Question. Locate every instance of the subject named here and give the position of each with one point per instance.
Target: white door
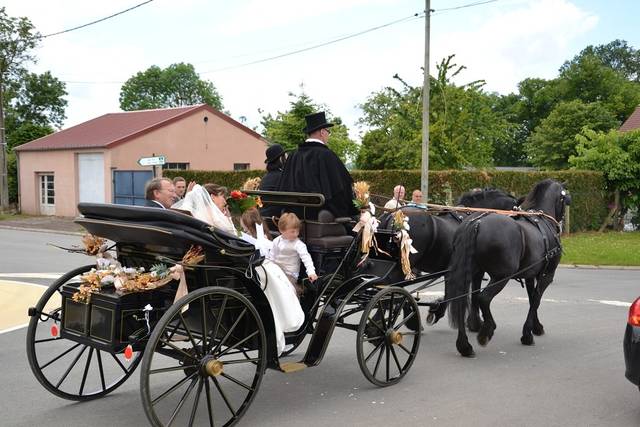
(47, 195)
(91, 178)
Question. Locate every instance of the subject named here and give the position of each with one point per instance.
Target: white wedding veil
(199, 203)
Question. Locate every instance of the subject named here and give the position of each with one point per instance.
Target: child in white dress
(285, 306)
(288, 250)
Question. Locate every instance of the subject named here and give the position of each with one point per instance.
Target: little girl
(288, 250)
(285, 306)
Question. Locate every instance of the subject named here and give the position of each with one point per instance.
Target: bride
(287, 313)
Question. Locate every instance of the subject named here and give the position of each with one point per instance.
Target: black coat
(314, 168)
(271, 182)
(152, 204)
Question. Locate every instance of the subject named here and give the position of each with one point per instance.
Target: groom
(314, 168)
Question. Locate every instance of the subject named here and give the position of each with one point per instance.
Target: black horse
(506, 247)
(490, 198)
(432, 236)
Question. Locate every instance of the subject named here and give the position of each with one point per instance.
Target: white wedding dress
(285, 306)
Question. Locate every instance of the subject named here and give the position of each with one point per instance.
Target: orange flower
(259, 202)
(238, 194)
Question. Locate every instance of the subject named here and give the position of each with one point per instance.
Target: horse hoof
(431, 319)
(483, 340)
(538, 330)
(527, 340)
(465, 349)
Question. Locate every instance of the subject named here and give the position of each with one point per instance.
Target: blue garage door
(129, 187)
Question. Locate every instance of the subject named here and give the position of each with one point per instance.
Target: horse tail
(458, 278)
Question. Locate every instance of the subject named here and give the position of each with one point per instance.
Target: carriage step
(289, 367)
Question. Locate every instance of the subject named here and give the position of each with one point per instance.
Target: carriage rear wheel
(68, 369)
(386, 346)
(204, 365)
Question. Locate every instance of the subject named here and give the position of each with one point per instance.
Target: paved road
(573, 376)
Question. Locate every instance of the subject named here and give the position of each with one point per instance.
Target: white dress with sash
(285, 306)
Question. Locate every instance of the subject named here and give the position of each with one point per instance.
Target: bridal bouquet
(238, 202)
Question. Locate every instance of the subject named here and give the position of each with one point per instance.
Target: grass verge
(612, 248)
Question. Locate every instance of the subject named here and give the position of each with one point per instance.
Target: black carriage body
(145, 237)
(111, 320)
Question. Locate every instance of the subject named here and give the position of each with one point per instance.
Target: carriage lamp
(54, 330)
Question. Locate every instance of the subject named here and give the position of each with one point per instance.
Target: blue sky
(501, 42)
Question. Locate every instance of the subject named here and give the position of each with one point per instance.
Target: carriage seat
(325, 233)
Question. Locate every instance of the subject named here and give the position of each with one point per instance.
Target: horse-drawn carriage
(203, 356)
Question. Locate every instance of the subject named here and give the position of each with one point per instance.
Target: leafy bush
(587, 188)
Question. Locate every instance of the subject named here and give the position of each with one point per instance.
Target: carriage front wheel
(66, 368)
(203, 364)
(386, 347)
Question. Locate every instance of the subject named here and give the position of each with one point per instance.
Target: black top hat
(274, 152)
(316, 121)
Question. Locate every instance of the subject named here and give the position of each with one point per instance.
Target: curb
(599, 267)
(41, 230)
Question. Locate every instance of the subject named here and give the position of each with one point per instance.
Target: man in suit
(314, 168)
(160, 193)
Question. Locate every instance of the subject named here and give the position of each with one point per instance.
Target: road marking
(32, 275)
(608, 302)
(15, 299)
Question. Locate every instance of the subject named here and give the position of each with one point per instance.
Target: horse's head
(548, 196)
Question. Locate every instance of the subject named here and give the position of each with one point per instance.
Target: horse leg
(529, 324)
(492, 289)
(474, 321)
(538, 329)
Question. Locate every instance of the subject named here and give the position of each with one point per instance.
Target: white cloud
(530, 40)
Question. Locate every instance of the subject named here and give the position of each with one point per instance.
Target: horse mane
(535, 196)
(470, 198)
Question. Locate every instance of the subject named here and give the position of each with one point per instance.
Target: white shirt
(314, 140)
(393, 204)
(288, 253)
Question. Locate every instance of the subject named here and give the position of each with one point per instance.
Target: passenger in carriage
(271, 180)
(314, 168)
(288, 250)
(160, 193)
(396, 202)
(281, 294)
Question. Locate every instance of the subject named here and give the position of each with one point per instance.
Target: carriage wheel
(204, 366)
(386, 347)
(68, 369)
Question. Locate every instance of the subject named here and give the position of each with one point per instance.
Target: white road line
(32, 275)
(14, 328)
(608, 302)
(15, 282)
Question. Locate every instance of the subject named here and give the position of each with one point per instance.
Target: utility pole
(424, 181)
(4, 176)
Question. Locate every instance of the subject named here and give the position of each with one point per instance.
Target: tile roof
(633, 122)
(114, 128)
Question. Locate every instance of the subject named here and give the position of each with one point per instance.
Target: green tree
(553, 141)
(617, 55)
(175, 86)
(464, 124)
(617, 155)
(591, 80)
(286, 128)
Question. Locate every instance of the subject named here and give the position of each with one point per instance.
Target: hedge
(587, 188)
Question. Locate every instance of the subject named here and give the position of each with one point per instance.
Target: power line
(316, 46)
(97, 21)
(477, 3)
(271, 58)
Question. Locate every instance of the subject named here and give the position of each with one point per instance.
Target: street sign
(152, 161)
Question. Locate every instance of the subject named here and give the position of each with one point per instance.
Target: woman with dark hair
(271, 181)
(219, 196)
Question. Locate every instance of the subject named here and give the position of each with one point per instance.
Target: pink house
(97, 161)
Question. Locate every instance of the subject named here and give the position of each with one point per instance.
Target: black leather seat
(325, 233)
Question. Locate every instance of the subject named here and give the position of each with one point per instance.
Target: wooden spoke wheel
(204, 365)
(386, 346)
(66, 368)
